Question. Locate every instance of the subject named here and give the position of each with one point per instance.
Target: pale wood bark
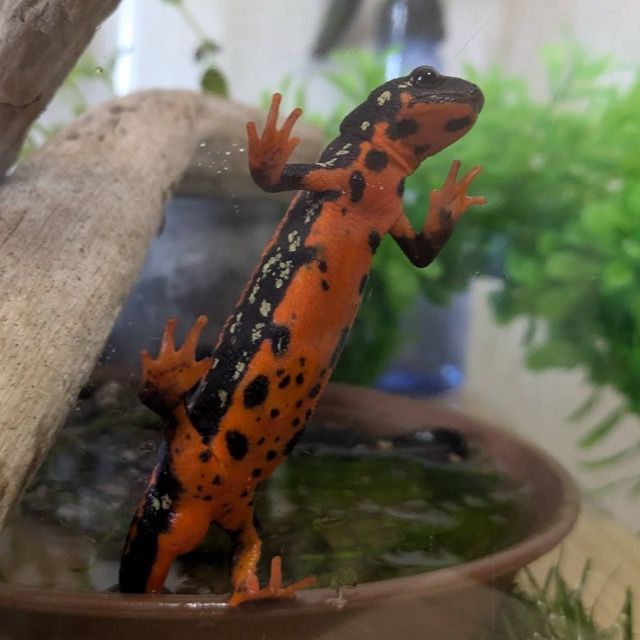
(40, 41)
(76, 217)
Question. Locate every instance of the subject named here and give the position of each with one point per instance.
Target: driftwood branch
(75, 220)
(40, 41)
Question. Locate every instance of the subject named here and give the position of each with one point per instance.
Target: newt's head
(416, 116)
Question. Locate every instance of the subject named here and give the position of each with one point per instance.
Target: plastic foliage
(212, 80)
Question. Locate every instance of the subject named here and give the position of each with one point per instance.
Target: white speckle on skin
(165, 501)
(312, 211)
(266, 267)
(385, 96)
(265, 308)
(233, 327)
(294, 241)
(240, 366)
(256, 332)
(254, 293)
(155, 503)
(285, 269)
(344, 150)
(365, 125)
(328, 163)
(223, 396)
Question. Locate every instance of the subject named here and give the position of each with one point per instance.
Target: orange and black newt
(231, 419)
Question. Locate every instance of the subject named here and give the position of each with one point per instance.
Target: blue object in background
(414, 28)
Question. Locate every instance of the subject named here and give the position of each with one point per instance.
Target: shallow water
(344, 507)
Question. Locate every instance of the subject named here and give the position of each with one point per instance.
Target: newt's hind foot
(274, 588)
(166, 379)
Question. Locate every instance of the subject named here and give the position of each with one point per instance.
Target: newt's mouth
(472, 96)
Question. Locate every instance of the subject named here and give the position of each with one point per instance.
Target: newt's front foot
(274, 588)
(166, 379)
(269, 153)
(451, 200)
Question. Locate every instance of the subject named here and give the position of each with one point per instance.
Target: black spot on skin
(374, 241)
(245, 493)
(307, 415)
(206, 440)
(207, 498)
(302, 361)
(323, 373)
(256, 473)
(295, 422)
(402, 129)
(356, 185)
(299, 379)
(315, 390)
(343, 211)
(216, 479)
(421, 149)
(299, 403)
(363, 283)
(325, 285)
(271, 454)
(237, 444)
(322, 265)
(274, 413)
(256, 392)
(279, 372)
(284, 383)
(279, 337)
(187, 436)
(205, 455)
(260, 442)
(250, 503)
(376, 160)
(276, 439)
(292, 442)
(400, 188)
(455, 124)
(199, 488)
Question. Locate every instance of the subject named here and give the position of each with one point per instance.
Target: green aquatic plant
(554, 610)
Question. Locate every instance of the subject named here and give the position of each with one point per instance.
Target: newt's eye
(425, 77)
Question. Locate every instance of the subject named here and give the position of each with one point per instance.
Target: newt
(230, 419)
